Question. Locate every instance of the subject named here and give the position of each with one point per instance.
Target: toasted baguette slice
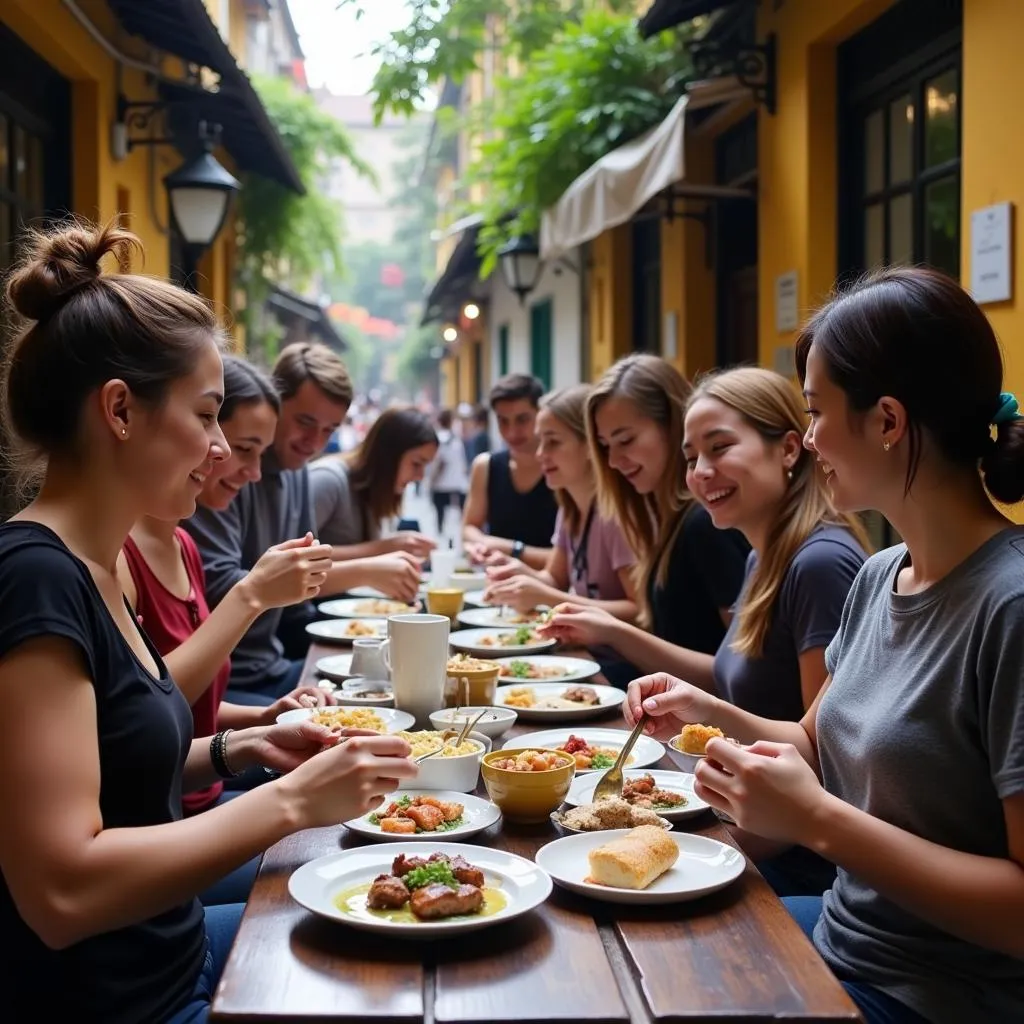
(634, 860)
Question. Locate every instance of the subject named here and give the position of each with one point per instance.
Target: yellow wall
(99, 183)
(611, 298)
(993, 152)
(797, 154)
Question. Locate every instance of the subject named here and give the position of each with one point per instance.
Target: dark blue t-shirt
(806, 615)
(145, 971)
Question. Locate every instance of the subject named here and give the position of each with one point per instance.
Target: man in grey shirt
(315, 396)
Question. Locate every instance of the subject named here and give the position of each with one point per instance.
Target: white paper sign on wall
(992, 253)
(787, 312)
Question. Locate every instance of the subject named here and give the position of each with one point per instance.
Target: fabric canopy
(612, 190)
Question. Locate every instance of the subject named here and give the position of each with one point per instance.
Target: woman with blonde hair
(590, 562)
(747, 466)
(688, 574)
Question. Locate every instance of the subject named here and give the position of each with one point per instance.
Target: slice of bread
(634, 860)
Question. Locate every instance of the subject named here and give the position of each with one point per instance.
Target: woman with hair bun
(908, 770)
(112, 387)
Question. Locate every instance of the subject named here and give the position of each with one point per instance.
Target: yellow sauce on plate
(353, 901)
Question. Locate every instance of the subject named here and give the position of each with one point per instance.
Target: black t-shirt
(517, 515)
(147, 971)
(705, 574)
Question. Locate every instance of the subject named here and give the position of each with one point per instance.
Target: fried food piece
(387, 893)
(401, 826)
(402, 865)
(694, 738)
(436, 901)
(426, 816)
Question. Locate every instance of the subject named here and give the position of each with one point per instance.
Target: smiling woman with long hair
(354, 495)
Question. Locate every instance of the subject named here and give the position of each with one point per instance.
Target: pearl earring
(789, 474)
(885, 446)
(124, 432)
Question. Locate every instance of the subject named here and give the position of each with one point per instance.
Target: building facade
(99, 101)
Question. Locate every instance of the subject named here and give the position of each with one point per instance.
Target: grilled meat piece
(466, 873)
(387, 893)
(402, 826)
(428, 818)
(402, 865)
(437, 901)
(580, 694)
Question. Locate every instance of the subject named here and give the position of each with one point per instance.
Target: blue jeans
(875, 1006)
(235, 886)
(221, 928)
(797, 872)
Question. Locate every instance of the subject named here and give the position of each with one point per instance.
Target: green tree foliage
(595, 86)
(283, 236)
(445, 38)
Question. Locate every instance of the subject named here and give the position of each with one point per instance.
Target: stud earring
(124, 432)
(886, 446)
(789, 474)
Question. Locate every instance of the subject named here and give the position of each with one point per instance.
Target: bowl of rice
(455, 768)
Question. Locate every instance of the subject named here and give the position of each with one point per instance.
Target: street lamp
(199, 193)
(520, 265)
(449, 334)
(471, 311)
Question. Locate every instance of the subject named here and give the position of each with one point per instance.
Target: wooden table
(733, 956)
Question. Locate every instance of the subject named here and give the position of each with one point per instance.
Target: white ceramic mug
(416, 656)
(442, 565)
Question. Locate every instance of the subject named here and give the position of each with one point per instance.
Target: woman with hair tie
(907, 771)
(99, 870)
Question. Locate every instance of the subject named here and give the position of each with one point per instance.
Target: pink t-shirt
(593, 571)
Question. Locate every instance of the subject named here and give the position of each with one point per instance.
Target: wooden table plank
(288, 965)
(735, 956)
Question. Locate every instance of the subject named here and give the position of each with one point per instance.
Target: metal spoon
(610, 785)
(445, 737)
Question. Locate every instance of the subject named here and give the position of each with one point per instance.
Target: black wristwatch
(518, 547)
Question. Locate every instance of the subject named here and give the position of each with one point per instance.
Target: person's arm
(397, 575)
(219, 537)
(69, 876)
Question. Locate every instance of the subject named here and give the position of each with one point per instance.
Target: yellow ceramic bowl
(526, 797)
(445, 601)
(479, 687)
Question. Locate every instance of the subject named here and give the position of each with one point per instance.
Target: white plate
(475, 598)
(363, 608)
(336, 631)
(491, 616)
(582, 791)
(469, 641)
(393, 719)
(336, 667)
(373, 592)
(647, 751)
(608, 696)
(316, 885)
(478, 814)
(704, 866)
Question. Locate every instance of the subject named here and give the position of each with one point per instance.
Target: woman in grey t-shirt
(908, 771)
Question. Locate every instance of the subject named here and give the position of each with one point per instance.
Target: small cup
(475, 687)
(445, 601)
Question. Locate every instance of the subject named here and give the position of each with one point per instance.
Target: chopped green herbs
(437, 872)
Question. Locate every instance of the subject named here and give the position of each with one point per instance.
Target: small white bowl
(467, 581)
(495, 723)
(683, 761)
(568, 830)
(458, 774)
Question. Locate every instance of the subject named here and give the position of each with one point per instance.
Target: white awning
(617, 187)
(612, 190)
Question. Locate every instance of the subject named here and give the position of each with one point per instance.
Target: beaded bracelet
(219, 755)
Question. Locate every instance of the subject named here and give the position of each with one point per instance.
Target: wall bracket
(753, 64)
